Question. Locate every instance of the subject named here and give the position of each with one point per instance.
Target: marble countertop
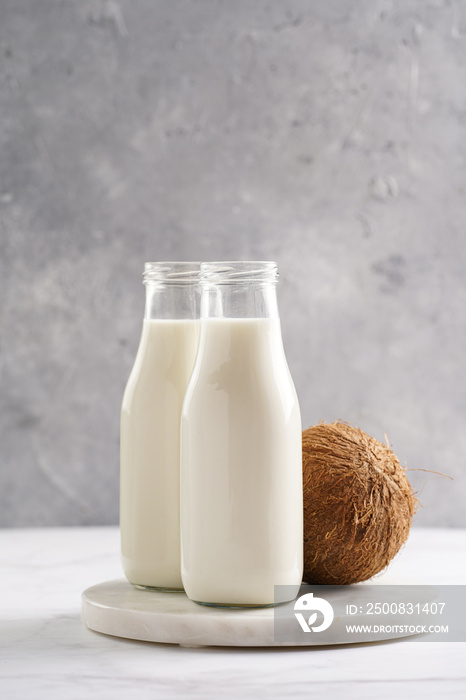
(47, 652)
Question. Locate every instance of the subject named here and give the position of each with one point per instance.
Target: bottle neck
(172, 302)
(238, 290)
(172, 290)
(242, 301)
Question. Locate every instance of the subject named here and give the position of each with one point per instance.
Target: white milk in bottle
(150, 427)
(241, 454)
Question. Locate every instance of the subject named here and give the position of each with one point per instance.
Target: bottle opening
(171, 273)
(239, 272)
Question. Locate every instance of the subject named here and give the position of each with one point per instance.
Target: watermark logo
(369, 613)
(308, 603)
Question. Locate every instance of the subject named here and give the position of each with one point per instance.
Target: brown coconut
(358, 504)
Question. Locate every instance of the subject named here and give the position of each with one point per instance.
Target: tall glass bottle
(241, 446)
(150, 426)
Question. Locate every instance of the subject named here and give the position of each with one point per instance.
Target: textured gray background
(329, 136)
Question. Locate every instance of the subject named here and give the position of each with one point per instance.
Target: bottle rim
(239, 272)
(171, 272)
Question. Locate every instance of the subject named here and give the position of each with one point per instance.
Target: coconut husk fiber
(358, 504)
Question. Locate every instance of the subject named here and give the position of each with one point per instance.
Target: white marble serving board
(117, 608)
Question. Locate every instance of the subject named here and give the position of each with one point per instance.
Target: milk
(241, 466)
(150, 453)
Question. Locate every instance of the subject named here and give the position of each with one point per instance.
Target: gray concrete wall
(329, 136)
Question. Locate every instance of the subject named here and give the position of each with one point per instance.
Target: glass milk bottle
(150, 426)
(241, 446)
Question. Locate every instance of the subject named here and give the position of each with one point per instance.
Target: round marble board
(118, 609)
